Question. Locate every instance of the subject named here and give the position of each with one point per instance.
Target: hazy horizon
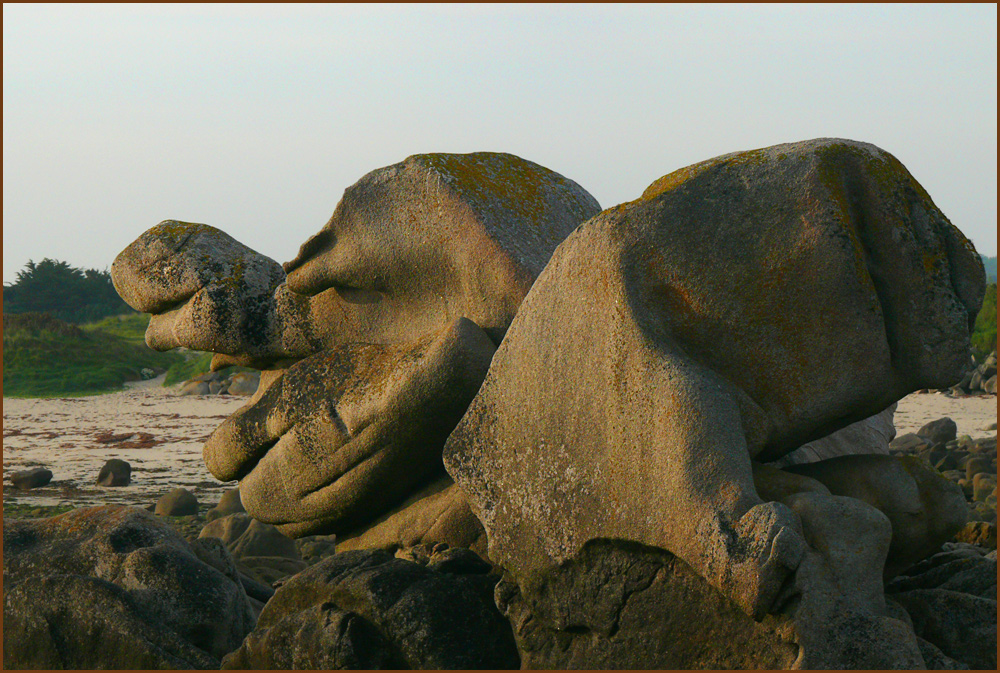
(254, 119)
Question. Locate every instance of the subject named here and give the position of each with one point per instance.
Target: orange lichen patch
(671, 181)
(520, 186)
(177, 232)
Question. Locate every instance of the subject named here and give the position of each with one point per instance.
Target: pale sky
(254, 119)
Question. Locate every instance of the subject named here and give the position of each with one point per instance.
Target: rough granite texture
(740, 308)
(112, 587)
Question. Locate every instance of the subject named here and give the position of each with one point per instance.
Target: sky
(254, 119)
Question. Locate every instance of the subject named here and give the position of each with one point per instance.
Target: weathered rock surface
(348, 434)
(115, 472)
(625, 368)
(177, 502)
(367, 609)
(409, 249)
(111, 587)
(229, 503)
(870, 436)
(190, 277)
(32, 478)
(195, 388)
(951, 599)
(940, 431)
(438, 513)
(924, 509)
(243, 384)
(261, 552)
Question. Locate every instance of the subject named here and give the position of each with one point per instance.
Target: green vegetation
(991, 268)
(65, 292)
(194, 363)
(984, 336)
(46, 357)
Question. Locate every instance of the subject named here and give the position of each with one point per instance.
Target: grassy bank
(45, 357)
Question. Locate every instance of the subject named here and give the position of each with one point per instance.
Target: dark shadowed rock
(178, 502)
(115, 473)
(312, 548)
(368, 609)
(111, 587)
(940, 431)
(961, 625)
(33, 478)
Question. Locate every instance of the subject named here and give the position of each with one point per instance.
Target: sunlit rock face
(741, 307)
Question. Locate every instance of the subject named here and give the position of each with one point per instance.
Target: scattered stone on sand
(33, 478)
(367, 609)
(940, 431)
(243, 384)
(113, 587)
(178, 502)
(195, 388)
(115, 472)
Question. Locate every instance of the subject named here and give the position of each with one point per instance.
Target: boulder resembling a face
(377, 339)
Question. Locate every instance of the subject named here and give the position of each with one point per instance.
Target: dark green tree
(63, 291)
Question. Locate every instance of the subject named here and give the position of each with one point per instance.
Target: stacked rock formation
(374, 344)
(613, 394)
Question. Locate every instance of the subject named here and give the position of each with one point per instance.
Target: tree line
(63, 291)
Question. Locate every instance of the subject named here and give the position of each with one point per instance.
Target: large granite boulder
(742, 307)
(367, 609)
(112, 587)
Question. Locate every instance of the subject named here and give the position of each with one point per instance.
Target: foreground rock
(367, 609)
(112, 587)
(951, 599)
(115, 473)
(623, 405)
(33, 478)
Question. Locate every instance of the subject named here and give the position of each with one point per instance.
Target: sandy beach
(161, 435)
(157, 431)
(973, 414)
